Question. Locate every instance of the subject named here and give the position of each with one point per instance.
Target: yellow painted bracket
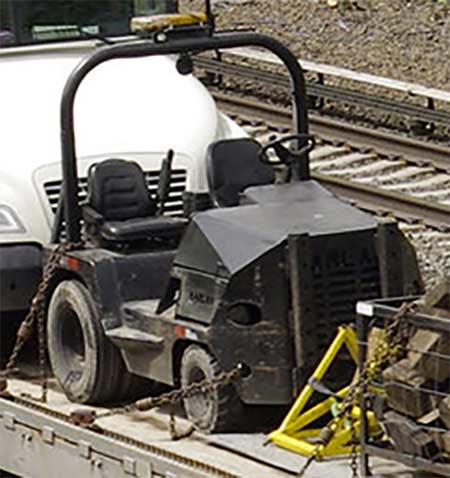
(294, 433)
(152, 23)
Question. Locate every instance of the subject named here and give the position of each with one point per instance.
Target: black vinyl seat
(120, 208)
(233, 165)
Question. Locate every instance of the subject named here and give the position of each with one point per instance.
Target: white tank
(131, 108)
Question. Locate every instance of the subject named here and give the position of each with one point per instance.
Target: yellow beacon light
(151, 23)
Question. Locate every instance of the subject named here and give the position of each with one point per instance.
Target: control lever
(165, 174)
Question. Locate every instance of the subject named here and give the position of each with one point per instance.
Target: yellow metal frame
(293, 433)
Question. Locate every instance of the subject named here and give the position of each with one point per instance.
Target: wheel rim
(72, 342)
(199, 405)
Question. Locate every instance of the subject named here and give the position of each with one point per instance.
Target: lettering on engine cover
(200, 298)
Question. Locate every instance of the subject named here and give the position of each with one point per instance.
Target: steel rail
(385, 202)
(414, 151)
(329, 92)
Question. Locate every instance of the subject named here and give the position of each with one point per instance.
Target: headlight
(9, 222)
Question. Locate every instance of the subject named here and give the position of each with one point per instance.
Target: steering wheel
(285, 154)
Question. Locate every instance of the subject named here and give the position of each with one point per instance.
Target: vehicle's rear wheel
(217, 411)
(88, 367)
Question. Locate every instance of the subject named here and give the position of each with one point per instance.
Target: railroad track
(416, 152)
(359, 167)
(424, 117)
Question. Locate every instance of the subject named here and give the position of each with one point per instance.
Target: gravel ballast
(405, 40)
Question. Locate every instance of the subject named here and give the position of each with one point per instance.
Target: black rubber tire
(88, 367)
(217, 411)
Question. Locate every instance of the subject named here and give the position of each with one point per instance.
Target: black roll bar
(140, 48)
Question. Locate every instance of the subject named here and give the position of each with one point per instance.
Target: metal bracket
(129, 466)
(9, 420)
(48, 435)
(84, 449)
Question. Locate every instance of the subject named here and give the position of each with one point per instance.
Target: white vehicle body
(133, 109)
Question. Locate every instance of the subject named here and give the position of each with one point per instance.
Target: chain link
(37, 311)
(175, 396)
(354, 450)
(387, 348)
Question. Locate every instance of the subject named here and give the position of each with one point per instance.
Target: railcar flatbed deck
(38, 440)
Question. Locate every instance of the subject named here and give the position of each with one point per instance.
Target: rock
(444, 411)
(376, 334)
(408, 437)
(404, 392)
(442, 440)
(438, 297)
(430, 418)
(430, 354)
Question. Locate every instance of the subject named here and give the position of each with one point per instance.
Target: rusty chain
(87, 418)
(387, 349)
(37, 311)
(175, 396)
(354, 450)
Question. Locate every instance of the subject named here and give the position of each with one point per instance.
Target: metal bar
(208, 9)
(135, 49)
(437, 324)
(302, 312)
(390, 262)
(409, 460)
(210, 17)
(362, 333)
(383, 201)
(58, 219)
(17, 20)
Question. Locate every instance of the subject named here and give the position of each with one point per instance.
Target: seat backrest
(117, 190)
(234, 165)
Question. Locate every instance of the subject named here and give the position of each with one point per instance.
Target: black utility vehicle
(263, 278)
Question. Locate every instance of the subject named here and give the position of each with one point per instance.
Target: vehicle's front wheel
(217, 411)
(88, 367)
